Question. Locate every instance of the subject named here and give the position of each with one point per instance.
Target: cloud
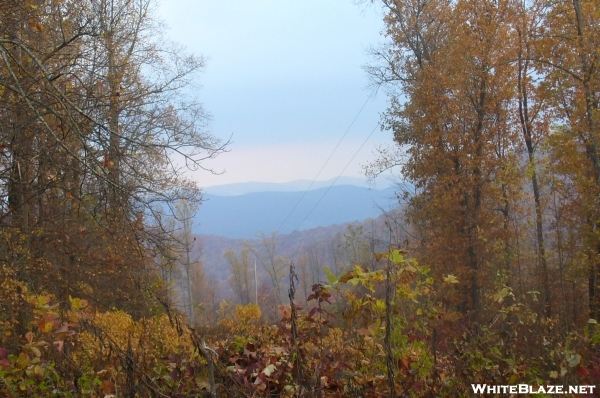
(284, 79)
(287, 162)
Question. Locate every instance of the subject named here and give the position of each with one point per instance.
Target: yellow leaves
(331, 278)
(38, 371)
(77, 303)
(23, 361)
(248, 313)
(397, 256)
(502, 294)
(31, 5)
(35, 351)
(39, 301)
(155, 337)
(245, 320)
(450, 279)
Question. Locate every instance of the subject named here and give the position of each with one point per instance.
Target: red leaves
(583, 372)
(404, 363)
(3, 358)
(313, 312)
(262, 368)
(319, 293)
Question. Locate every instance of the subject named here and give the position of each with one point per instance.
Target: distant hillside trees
(275, 265)
(241, 279)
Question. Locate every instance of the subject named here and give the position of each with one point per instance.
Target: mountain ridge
(243, 216)
(242, 188)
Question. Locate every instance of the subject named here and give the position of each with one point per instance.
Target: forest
(487, 272)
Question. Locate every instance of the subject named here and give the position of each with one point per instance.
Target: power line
(332, 184)
(328, 159)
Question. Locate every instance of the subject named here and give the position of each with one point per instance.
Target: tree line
(494, 114)
(96, 134)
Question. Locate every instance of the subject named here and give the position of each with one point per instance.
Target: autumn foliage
(494, 115)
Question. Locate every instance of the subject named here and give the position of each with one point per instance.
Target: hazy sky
(285, 79)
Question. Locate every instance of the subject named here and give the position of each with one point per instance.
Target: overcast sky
(285, 79)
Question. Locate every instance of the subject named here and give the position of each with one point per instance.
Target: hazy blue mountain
(243, 216)
(243, 188)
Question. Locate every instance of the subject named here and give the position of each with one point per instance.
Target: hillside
(319, 243)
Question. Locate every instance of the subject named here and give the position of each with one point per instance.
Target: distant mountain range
(238, 211)
(312, 232)
(243, 188)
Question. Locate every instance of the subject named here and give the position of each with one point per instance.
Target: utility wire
(328, 159)
(332, 184)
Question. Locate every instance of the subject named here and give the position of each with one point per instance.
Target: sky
(284, 80)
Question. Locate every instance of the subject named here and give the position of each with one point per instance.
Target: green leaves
(331, 278)
(396, 256)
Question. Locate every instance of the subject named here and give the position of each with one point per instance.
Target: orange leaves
(107, 387)
(371, 331)
(107, 163)
(458, 127)
(40, 301)
(35, 25)
(49, 322)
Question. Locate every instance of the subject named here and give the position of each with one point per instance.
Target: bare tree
(185, 213)
(97, 133)
(240, 279)
(274, 265)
